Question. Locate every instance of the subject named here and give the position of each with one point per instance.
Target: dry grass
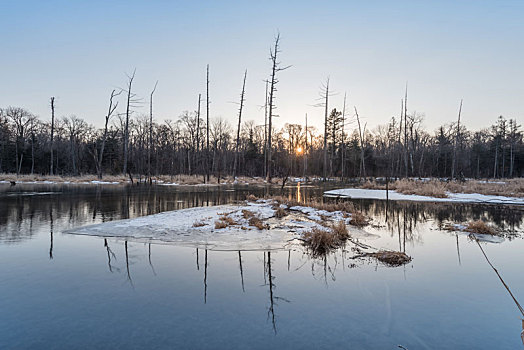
(247, 214)
(340, 230)
(251, 198)
(220, 224)
(358, 219)
(280, 212)
(391, 258)
(198, 224)
(322, 241)
(228, 220)
(432, 188)
(256, 222)
(481, 227)
(61, 179)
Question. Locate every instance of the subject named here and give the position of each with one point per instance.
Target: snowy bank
(395, 196)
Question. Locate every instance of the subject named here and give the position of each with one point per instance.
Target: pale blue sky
(446, 50)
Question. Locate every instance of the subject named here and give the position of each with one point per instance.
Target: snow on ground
(179, 227)
(452, 197)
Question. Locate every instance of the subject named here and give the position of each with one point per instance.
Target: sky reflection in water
(66, 291)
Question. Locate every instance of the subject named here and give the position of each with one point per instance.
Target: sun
(299, 150)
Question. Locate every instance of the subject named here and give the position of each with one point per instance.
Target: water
(61, 291)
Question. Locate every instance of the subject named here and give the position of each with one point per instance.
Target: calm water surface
(61, 291)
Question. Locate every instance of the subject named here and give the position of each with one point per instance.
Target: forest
(131, 142)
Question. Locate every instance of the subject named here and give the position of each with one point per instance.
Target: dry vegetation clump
(340, 230)
(358, 219)
(198, 224)
(280, 212)
(220, 224)
(481, 227)
(228, 220)
(322, 241)
(251, 198)
(432, 188)
(256, 222)
(391, 258)
(247, 213)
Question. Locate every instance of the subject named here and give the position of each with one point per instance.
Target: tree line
(197, 144)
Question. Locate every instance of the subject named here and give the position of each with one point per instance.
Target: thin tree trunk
(343, 145)
(52, 133)
(453, 166)
(110, 111)
(326, 111)
(126, 130)
(207, 123)
(150, 135)
(239, 122)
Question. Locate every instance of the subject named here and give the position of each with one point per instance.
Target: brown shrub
(481, 227)
(322, 241)
(280, 212)
(247, 214)
(199, 224)
(358, 219)
(228, 220)
(251, 198)
(220, 224)
(391, 258)
(340, 230)
(254, 221)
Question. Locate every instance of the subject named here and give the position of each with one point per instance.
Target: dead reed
(481, 227)
(391, 258)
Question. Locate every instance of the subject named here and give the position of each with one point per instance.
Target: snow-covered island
(258, 225)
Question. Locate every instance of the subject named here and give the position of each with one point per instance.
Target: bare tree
(111, 109)
(150, 147)
(130, 99)
(324, 97)
(235, 165)
(361, 137)
(342, 141)
(21, 119)
(207, 122)
(457, 135)
(275, 68)
(52, 132)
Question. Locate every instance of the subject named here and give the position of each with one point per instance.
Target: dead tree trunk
(128, 111)
(239, 121)
(361, 136)
(454, 162)
(275, 68)
(207, 123)
(111, 109)
(265, 130)
(52, 133)
(198, 135)
(326, 102)
(342, 140)
(150, 135)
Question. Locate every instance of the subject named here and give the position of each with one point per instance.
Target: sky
(78, 51)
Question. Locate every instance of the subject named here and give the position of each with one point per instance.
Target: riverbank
(164, 180)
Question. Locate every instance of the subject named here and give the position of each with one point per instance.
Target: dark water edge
(64, 291)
